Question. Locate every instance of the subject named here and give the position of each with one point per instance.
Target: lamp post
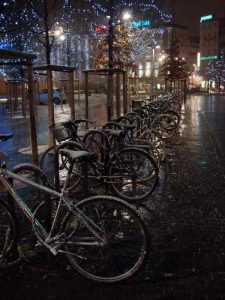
(153, 65)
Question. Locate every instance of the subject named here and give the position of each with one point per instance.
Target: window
(148, 69)
(140, 70)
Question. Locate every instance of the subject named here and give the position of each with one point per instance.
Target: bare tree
(44, 21)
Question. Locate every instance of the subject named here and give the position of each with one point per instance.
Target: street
(186, 218)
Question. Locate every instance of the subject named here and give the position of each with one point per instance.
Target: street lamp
(126, 16)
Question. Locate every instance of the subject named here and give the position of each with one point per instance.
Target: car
(59, 96)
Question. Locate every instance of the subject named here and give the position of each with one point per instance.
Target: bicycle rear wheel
(125, 240)
(8, 232)
(56, 166)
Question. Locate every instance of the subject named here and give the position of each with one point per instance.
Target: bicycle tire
(133, 174)
(8, 231)
(47, 162)
(26, 191)
(165, 125)
(126, 240)
(100, 139)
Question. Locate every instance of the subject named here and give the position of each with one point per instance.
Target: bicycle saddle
(74, 155)
(5, 137)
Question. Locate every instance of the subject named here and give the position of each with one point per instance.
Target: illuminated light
(5, 45)
(126, 16)
(62, 37)
(100, 28)
(141, 23)
(198, 59)
(209, 57)
(148, 69)
(140, 70)
(158, 47)
(206, 18)
(58, 32)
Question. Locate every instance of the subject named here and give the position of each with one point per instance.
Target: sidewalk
(187, 221)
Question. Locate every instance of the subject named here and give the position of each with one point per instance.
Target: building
(212, 40)
(149, 66)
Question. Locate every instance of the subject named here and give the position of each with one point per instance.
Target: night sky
(188, 12)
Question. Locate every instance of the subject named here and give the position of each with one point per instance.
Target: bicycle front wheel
(133, 174)
(125, 239)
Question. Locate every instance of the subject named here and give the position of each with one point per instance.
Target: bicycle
(131, 173)
(103, 237)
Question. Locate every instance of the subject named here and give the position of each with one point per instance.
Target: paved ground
(186, 218)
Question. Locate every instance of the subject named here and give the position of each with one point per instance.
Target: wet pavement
(186, 217)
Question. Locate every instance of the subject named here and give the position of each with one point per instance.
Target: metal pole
(51, 120)
(71, 95)
(33, 128)
(118, 94)
(124, 93)
(153, 58)
(86, 96)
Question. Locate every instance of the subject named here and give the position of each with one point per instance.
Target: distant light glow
(206, 18)
(62, 37)
(198, 59)
(209, 57)
(126, 15)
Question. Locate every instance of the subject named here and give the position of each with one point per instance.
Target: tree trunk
(47, 39)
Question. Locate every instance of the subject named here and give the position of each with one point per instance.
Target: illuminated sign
(209, 57)
(141, 23)
(101, 28)
(5, 45)
(206, 18)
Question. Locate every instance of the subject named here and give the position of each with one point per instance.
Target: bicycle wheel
(165, 125)
(96, 141)
(125, 241)
(51, 158)
(31, 195)
(174, 115)
(8, 231)
(133, 174)
(47, 163)
(149, 147)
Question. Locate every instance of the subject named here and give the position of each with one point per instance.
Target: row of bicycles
(104, 236)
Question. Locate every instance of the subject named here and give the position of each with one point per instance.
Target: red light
(100, 28)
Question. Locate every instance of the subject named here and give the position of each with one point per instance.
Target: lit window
(148, 69)
(140, 70)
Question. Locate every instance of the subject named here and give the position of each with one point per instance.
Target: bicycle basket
(60, 132)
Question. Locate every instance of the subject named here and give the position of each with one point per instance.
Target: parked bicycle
(129, 172)
(103, 237)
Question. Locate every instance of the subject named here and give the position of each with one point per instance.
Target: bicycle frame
(48, 236)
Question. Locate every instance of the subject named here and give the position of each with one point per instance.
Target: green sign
(209, 57)
(206, 18)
